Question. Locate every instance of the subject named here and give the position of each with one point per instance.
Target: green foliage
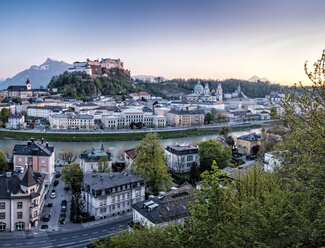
(208, 118)
(158, 237)
(82, 86)
(212, 150)
(150, 164)
(4, 115)
(72, 175)
(3, 162)
(194, 173)
(103, 164)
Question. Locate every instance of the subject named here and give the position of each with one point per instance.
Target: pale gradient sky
(172, 38)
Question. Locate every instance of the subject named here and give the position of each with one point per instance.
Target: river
(116, 146)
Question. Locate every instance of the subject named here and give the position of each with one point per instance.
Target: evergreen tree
(3, 162)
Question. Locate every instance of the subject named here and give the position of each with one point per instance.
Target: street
(73, 239)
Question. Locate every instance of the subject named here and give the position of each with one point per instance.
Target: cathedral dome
(198, 87)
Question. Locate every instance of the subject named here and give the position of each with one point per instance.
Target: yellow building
(247, 142)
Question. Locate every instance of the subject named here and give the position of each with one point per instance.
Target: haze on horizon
(176, 39)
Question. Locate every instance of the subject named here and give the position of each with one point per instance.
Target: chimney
(32, 140)
(42, 141)
(29, 143)
(8, 174)
(47, 144)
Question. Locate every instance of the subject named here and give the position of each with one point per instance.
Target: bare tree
(9, 151)
(68, 154)
(179, 162)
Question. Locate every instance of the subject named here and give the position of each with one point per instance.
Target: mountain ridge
(39, 75)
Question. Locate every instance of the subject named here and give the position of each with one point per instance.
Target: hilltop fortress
(96, 68)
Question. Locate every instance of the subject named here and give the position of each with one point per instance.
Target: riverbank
(90, 137)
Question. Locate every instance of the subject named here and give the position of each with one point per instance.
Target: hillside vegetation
(82, 86)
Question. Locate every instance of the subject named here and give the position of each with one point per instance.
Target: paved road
(218, 125)
(72, 239)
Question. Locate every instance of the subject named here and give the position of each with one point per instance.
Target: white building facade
(111, 194)
(181, 158)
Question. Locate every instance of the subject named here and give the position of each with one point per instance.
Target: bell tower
(28, 84)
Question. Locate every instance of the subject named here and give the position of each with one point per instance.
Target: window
(2, 226)
(43, 161)
(113, 207)
(128, 186)
(128, 203)
(2, 215)
(42, 168)
(20, 226)
(20, 159)
(189, 158)
(138, 184)
(102, 202)
(123, 197)
(2, 205)
(35, 213)
(128, 195)
(113, 190)
(123, 187)
(118, 188)
(118, 198)
(137, 193)
(123, 204)
(118, 206)
(19, 204)
(19, 215)
(113, 199)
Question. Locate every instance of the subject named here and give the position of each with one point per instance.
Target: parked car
(44, 226)
(63, 208)
(251, 157)
(66, 188)
(53, 195)
(57, 175)
(56, 182)
(46, 217)
(64, 203)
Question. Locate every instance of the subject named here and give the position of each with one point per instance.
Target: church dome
(198, 87)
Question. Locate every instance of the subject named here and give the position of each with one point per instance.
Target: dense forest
(82, 86)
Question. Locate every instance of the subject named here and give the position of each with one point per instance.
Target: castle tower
(28, 84)
(219, 93)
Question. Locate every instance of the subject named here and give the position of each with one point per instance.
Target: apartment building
(111, 194)
(89, 159)
(22, 195)
(185, 117)
(133, 115)
(245, 143)
(165, 209)
(37, 155)
(16, 121)
(72, 121)
(43, 111)
(180, 158)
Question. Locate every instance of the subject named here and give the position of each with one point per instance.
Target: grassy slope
(72, 137)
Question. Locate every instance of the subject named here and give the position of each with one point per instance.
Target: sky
(205, 39)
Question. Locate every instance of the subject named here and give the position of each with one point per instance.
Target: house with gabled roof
(36, 155)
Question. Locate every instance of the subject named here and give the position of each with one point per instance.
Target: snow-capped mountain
(256, 78)
(39, 75)
(149, 78)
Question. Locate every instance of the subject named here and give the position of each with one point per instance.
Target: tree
(4, 115)
(72, 175)
(194, 173)
(213, 112)
(68, 154)
(150, 164)
(230, 141)
(225, 131)
(3, 162)
(212, 150)
(208, 118)
(273, 112)
(103, 164)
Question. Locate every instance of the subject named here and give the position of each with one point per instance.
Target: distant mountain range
(255, 78)
(38, 75)
(149, 78)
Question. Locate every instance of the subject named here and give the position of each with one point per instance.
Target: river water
(116, 146)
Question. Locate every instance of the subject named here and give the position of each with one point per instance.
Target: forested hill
(251, 89)
(82, 86)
